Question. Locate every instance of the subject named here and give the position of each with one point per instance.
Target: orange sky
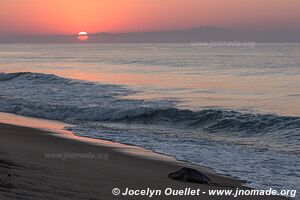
(73, 16)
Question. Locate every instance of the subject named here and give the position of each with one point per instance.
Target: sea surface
(234, 109)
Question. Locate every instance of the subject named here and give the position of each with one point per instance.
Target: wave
(6, 77)
(52, 97)
(217, 120)
(218, 138)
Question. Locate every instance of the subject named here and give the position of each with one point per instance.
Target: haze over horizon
(24, 19)
(198, 34)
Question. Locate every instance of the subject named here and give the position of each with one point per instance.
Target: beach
(27, 171)
(146, 100)
(186, 109)
(235, 117)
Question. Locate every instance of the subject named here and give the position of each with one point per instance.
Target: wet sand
(27, 170)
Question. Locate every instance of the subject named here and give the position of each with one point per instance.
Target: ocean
(233, 109)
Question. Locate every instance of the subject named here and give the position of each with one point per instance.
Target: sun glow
(83, 36)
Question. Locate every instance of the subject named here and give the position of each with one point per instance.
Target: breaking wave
(219, 138)
(52, 97)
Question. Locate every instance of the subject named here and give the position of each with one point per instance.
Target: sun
(83, 36)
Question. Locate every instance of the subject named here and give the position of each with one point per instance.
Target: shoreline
(57, 128)
(30, 173)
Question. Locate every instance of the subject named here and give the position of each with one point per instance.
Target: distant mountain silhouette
(200, 34)
(178, 36)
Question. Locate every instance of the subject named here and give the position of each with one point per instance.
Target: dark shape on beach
(189, 175)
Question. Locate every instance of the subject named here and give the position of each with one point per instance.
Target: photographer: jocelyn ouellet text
(148, 192)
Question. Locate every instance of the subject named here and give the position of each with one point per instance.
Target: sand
(27, 171)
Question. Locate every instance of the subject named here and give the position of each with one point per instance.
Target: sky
(27, 17)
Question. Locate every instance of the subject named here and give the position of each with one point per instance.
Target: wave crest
(52, 97)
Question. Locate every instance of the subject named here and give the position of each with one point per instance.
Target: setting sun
(83, 36)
